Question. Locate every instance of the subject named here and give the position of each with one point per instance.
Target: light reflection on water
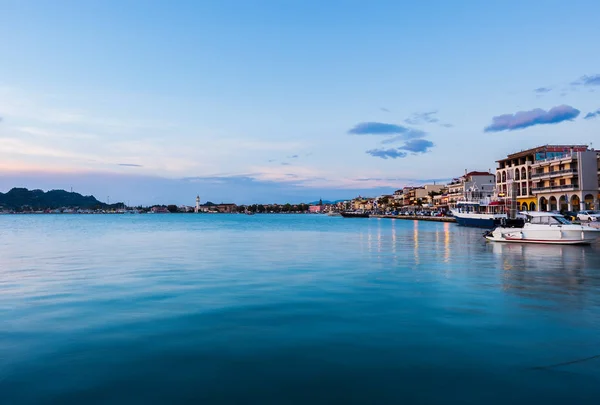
(290, 309)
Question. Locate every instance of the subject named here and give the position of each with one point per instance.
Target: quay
(416, 218)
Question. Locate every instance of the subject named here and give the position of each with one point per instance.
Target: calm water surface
(290, 309)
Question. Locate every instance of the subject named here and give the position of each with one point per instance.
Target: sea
(290, 309)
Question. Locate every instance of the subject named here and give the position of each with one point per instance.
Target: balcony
(554, 173)
(554, 159)
(563, 187)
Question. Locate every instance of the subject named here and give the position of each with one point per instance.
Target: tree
(172, 208)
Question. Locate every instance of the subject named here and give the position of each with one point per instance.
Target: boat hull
(551, 236)
(473, 222)
(354, 215)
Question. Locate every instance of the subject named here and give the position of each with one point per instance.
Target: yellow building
(550, 177)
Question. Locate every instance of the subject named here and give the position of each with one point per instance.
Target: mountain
(38, 199)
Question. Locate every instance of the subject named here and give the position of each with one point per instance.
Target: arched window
(589, 202)
(523, 173)
(517, 174)
(575, 206)
(524, 207)
(503, 177)
(532, 206)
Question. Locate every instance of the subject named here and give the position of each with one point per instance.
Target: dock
(416, 218)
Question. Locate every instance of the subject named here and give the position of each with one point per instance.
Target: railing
(563, 187)
(553, 173)
(565, 156)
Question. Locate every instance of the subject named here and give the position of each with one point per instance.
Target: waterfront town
(544, 178)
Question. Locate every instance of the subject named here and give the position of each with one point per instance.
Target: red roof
(478, 174)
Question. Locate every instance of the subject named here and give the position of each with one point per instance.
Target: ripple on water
(290, 309)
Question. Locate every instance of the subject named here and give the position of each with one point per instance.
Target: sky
(152, 102)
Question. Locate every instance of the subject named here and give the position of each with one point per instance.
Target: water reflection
(446, 242)
(548, 271)
(416, 241)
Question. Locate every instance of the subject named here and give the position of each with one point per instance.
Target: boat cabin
(545, 218)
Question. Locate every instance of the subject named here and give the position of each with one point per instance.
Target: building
(363, 203)
(483, 182)
(567, 181)
(515, 170)
(316, 209)
(226, 208)
(421, 196)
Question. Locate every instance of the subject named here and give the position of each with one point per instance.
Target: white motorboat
(545, 227)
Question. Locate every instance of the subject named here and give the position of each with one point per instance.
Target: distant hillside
(327, 202)
(38, 199)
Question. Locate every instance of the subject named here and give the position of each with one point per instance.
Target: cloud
(524, 119)
(422, 118)
(593, 80)
(384, 109)
(129, 165)
(404, 180)
(417, 145)
(392, 153)
(592, 114)
(377, 128)
(542, 90)
(285, 164)
(410, 134)
(293, 157)
(447, 125)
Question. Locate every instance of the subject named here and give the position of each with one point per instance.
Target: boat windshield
(549, 220)
(562, 220)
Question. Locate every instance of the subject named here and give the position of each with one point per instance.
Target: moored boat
(481, 213)
(545, 227)
(354, 214)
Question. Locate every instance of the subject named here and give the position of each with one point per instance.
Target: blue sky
(278, 101)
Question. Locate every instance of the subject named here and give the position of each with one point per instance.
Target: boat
(545, 227)
(479, 214)
(354, 214)
(485, 209)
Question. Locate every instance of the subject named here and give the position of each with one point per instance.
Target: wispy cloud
(130, 165)
(414, 146)
(593, 80)
(377, 128)
(542, 90)
(447, 125)
(525, 119)
(392, 153)
(592, 114)
(293, 157)
(422, 118)
(384, 109)
(410, 134)
(285, 164)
